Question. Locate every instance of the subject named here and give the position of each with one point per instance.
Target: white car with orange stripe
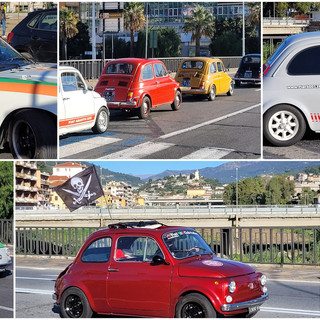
(80, 108)
(28, 112)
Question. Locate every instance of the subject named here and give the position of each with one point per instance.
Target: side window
(137, 249)
(71, 82)
(147, 72)
(213, 68)
(48, 22)
(160, 70)
(220, 66)
(98, 251)
(306, 62)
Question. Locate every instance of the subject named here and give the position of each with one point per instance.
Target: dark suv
(36, 35)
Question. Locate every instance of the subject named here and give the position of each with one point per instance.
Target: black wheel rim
(74, 306)
(24, 141)
(192, 310)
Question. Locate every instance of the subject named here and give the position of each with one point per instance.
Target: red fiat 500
(138, 84)
(148, 269)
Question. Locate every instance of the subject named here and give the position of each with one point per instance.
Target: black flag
(81, 189)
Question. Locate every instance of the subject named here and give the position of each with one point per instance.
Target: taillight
(266, 68)
(237, 75)
(202, 85)
(10, 36)
(130, 95)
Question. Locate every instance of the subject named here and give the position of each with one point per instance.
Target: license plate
(248, 74)
(253, 309)
(185, 83)
(108, 95)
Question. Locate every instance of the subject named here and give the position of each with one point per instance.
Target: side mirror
(90, 88)
(157, 260)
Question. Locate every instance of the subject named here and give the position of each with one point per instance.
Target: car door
(134, 284)
(223, 81)
(148, 83)
(77, 110)
(213, 75)
(166, 89)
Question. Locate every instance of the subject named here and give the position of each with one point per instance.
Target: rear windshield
(251, 60)
(120, 68)
(192, 65)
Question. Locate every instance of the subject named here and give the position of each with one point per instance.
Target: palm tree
(254, 16)
(199, 23)
(134, 19)
(68, 27)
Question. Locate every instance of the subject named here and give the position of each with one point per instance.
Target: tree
(80, 43)
(6, 190)
(255, 14)
(134, 20)
(68, 20)
(199, 23)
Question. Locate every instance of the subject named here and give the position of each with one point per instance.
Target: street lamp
(237, 195)
(243, 32)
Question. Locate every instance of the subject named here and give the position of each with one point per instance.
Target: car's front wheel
(144, 110)
(33, 135)
(231, 88)
(195, 305)
(74, 304)
(102, 121)
(283, 125)
(212, 93)
(175, 105)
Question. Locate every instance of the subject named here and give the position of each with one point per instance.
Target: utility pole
(147, 22)
(93, 41)
(243, 31)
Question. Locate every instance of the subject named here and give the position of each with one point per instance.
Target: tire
(102, 121)
(195, 305)
(144, 110)
(237, 83)
(212, 93)
(175, 105)
(231, 88)
(33, 135)
(283, 125)
(74, 304)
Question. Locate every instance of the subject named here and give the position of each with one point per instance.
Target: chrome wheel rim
(103, 121)
(74, 306)
(192, 310)
(178, 100)
(145, 107)
(23, 140)
(231, 88)
(283, 125)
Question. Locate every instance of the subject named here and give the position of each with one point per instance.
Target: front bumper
(245, 304)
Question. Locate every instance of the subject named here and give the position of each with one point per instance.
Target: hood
(214, 268)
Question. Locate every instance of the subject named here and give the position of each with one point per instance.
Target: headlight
(263, 280)
(232, 286)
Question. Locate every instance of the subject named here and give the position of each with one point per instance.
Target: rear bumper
(121, 104)
(245, 304)
(254, 80)
(194, 91)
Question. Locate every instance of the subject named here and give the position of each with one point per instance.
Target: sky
(151, 167)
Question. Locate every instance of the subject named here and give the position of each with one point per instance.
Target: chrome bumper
(247, 80)
(193, 91)
(117, 104)
(245, 304)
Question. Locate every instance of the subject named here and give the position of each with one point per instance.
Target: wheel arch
(145, 94)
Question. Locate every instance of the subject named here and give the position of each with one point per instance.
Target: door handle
(157, 82)
(113, 270)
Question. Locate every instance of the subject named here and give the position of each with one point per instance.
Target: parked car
(80, 108)
(36, 35)
(138, 84)
(291, 90)
(28, 113)
(5, 258)
(152, 270)
(204, 76)
(249, 70)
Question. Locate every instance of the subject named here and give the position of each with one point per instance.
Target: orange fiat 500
(204, 76)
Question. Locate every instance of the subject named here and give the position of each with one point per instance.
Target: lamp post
(237, 195)
(243, 32)
(147, 25)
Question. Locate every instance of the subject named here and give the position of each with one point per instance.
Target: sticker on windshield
(212, 263)
(179, 234)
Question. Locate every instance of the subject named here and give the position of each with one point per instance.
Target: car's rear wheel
(33, 135)
(195, 305)
(74, 304)
(144, 110)
(212, 93)
(231, 88)
(283, 125)
(175, 105)
(102, 121)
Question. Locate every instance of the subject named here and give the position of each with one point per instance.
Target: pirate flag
(81, 189)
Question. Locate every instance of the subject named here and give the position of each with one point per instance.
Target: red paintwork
(140, 289)
(160, 90)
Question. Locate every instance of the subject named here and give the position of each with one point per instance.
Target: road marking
(208, 153)
(29, 278)
(175, 133)
(139, 151)
(298, 281)
(35, 291)
(6, 308)
(39, 268)
(292, 311)
(86, 145)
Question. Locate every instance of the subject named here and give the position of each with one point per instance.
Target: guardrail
(285, 22)
(6, 231)
(91, 69)
(276, 245)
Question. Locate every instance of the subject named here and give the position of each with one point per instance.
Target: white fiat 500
(80, 108)
(291, 90)
(5, 258)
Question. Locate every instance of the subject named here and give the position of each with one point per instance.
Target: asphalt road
(6, 294)
(5, 153)
(228, 127)
(294, 292)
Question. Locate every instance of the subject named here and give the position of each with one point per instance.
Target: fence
(253, 244)
(6, 231)
(91, 69)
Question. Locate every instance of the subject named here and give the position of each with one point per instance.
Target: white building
(68, 169)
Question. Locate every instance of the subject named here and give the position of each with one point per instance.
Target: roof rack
(140, 224)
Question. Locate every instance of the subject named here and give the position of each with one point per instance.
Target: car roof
(301, 37)
(66, 68)
(133, 60)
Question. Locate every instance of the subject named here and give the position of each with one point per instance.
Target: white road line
(29, 278)
(292, 311)
(6, 308)
(37, 268)
(298, 281)
(208, 153)
(139, 151)
(175, 133)
(34, 291)
(85, 145)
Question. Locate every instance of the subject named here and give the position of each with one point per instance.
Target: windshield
(248, 60)
(120, 68)
(9, 58)
(191, 64)
(186, 243)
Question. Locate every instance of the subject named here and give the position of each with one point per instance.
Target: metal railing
(6, 231)
(91, 69)
(276, 245)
